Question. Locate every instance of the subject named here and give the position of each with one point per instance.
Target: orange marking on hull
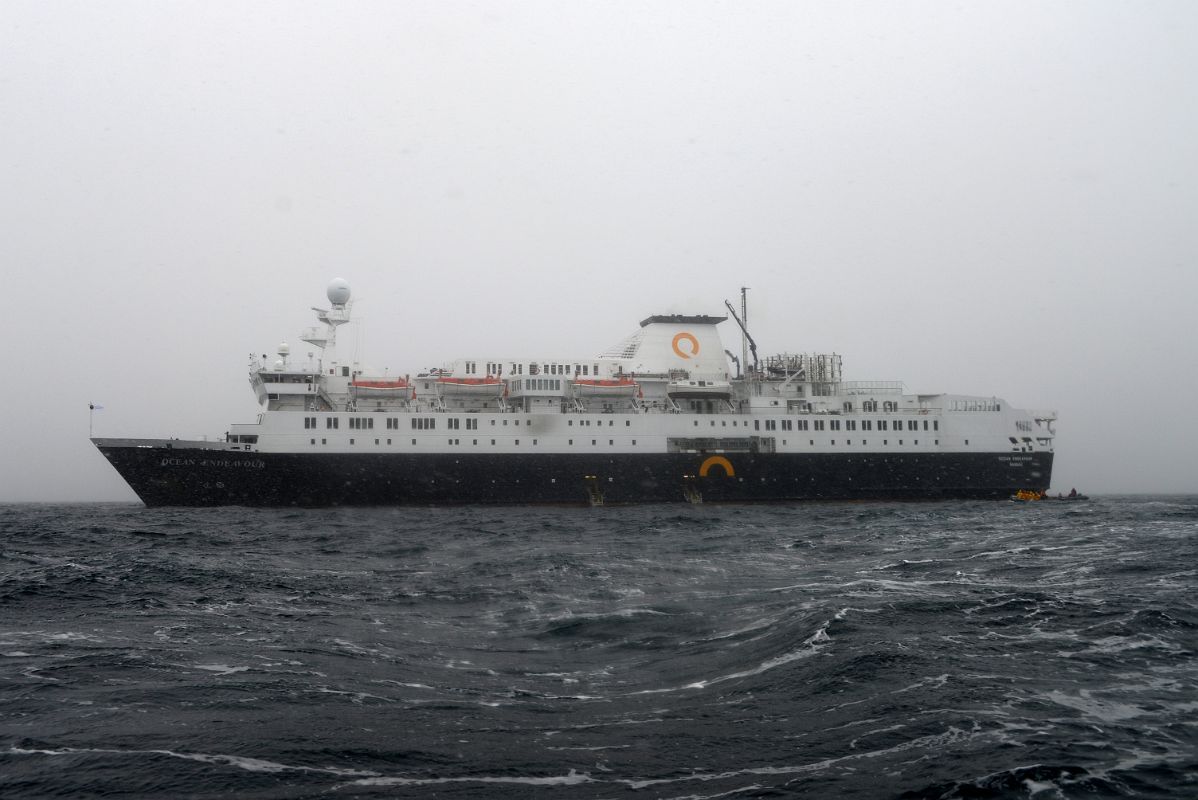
(717, 461)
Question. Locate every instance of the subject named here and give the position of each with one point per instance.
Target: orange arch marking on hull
(685, 337)
(717, 461)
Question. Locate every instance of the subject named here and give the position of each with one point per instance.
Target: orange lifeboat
(381, 387)
(605, 387)
(475, 387)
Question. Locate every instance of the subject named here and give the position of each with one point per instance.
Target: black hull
(179, 476)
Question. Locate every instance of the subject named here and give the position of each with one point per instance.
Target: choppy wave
(952, 650)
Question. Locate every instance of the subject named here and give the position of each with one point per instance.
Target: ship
(666, 415)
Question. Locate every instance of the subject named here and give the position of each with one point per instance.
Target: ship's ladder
(593, 490)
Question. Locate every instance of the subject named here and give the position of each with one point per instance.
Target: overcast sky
(988, 198)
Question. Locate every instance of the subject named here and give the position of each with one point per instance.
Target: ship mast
(744, 331)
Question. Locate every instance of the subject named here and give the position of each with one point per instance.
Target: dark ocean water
(956, 649)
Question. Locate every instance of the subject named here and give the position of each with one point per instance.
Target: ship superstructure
(659, 417)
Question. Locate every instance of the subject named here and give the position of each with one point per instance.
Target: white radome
(338, 292)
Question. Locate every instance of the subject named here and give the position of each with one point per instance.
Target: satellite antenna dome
(338, 292)
(284, 349)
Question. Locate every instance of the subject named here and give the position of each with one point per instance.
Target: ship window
(584, 370)
(413, 441)
(312, 441)
(594, 441)
(611, 441)
(476, 441)
(492, 441)
(925, 424)
(819, 424)
(351, 441)
(634, 442)
(388, 441)
(966, 441)
(324, 441)
(376, 441)
(881, 424)
(569, 441)
(935, 424)
(517, 442)
(345, 372)
(627, 423)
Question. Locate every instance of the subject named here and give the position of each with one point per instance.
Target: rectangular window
(819, 424)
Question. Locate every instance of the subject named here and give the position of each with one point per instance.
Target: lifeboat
(605, 387)
(381, 387)
(489, 386)
(699, 389)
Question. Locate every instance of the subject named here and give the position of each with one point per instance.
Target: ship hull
(173, 473)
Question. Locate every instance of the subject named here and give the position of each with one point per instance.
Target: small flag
(94, 407)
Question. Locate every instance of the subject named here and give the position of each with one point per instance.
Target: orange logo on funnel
(686, 337)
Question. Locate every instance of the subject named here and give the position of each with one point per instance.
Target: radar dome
(338, 292)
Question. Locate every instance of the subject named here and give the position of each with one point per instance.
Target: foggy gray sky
(987, 198)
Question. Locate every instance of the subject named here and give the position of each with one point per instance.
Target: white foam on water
(221, 759)
(809, 647)
(220, 669)
(1090, 706)
(932, 742)
(574, 778)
